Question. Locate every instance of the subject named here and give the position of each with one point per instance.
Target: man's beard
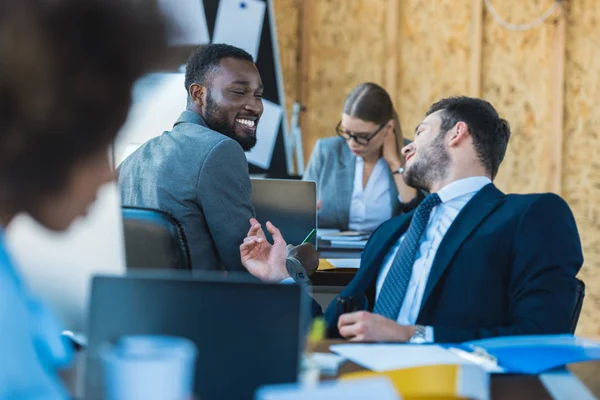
(216, 119)
(431, 167)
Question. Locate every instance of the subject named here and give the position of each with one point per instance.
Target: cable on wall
(522, 27)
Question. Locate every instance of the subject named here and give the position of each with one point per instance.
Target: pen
(310, 236)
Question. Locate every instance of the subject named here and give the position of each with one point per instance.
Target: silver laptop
(291, 206)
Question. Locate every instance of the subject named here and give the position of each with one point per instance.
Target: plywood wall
(349, 44)
(433, 57)
(515, 79)
(581, 150)
(287, 20)
(347, 48)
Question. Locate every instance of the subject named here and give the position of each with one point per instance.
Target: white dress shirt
(372, 205)
(454, 197)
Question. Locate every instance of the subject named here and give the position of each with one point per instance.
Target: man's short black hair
(490, 132)
(206, 58)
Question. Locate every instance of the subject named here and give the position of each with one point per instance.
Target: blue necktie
(389, 301)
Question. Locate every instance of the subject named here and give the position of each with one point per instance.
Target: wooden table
(333, 277)
(509, 387)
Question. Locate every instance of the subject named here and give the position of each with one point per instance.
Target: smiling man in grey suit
(198, 172)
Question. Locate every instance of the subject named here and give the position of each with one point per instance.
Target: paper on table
(266, 135)
(344, 262)
(325, 232)
(187, 21)
(385, 357)
(371, 388)
(239, 23)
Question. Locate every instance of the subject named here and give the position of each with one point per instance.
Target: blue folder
(529, 354)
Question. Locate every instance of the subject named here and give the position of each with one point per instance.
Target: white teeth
(246, 122)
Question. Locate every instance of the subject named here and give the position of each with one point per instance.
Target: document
(266, 135)
(371, 388)
(187, 21)
(344, 262)
(239, 23)
(385, 357)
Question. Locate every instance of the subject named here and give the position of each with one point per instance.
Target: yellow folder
(435, 382)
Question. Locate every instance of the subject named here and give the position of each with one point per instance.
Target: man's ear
(458, 134)
(197, 94)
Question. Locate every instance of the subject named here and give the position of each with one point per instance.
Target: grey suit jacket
(332, 166)
(200, 177)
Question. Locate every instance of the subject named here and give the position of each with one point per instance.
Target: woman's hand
(390, 151)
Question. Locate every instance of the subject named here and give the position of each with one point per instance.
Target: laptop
(291, 206)
(247, 333)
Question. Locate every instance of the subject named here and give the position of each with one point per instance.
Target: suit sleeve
(228, 208)
(315, 164)
(546, 257)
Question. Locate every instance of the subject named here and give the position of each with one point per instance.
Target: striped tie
(391, 296)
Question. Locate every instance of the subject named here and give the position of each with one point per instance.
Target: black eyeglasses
(360, 138)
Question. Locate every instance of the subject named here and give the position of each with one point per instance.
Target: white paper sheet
(239, 23)
(266, 134)
(385, 357)
(187, 21)
(372, 388)
(344, 262)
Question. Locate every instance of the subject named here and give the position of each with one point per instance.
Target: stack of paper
(418, 371)
(346, 239)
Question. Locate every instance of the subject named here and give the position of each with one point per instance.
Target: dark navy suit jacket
(506, 266)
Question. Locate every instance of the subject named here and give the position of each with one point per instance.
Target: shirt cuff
(428, 336)
(288, 281)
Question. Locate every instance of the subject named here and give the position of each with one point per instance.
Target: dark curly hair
(206, 58)
(66, 71)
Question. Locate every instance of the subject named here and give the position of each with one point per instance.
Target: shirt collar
(462, 187)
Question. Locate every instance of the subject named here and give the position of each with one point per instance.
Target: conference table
(577, 381)
(561, 384)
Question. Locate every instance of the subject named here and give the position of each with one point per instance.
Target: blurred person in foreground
(66, 71)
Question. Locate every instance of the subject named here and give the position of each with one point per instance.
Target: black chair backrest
(580, 294)
(154, 239)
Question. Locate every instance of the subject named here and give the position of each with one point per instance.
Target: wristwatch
(419, 336)
(398, 171)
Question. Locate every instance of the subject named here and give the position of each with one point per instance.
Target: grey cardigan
(332, 166)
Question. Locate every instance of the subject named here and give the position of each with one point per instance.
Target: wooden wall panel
(515, 80)
(287, 13)
(350, 43)
(434, 56)
(347, 48)
(581, 163)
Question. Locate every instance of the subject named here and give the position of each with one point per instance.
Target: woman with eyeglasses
(359, 172)
(66, 72)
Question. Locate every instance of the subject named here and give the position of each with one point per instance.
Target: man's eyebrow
(246, 83)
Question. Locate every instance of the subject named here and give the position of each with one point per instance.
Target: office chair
(154, 239)
(580, 294)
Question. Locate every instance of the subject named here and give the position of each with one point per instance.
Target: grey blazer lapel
(345, 181)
